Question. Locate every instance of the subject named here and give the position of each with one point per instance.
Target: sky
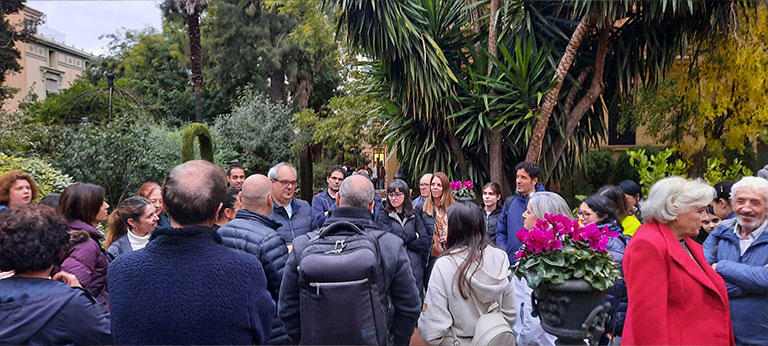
(81, 22)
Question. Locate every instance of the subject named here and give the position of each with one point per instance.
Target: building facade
(47, 65)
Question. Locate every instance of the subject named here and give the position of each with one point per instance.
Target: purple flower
(468, 184)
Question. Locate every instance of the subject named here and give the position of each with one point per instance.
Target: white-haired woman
(675, 297)
(528, 328)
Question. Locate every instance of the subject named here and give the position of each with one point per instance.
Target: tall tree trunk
(277, 85)
(495, 139)
(571, 50)
(196, 61)
(596, 88)
(303, 91)
(458, 153)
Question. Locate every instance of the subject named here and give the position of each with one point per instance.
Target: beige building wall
(47, 66)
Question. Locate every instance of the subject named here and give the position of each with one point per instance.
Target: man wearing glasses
(293, 214)
(423, 190)
(324, 202)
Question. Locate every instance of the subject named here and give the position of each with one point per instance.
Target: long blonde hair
(446, 199)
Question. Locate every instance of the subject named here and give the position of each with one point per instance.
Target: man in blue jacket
(293, 214)
(511, 218)
(738, 250)
(324, 202)
(253, 232)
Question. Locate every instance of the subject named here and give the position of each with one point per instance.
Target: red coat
(672, 301)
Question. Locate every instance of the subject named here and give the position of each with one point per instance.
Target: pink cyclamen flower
(468, 184)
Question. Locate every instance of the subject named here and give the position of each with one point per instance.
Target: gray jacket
(398, 291)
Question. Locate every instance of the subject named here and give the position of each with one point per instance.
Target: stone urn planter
(573, 311)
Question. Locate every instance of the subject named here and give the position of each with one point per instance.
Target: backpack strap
(339, 225)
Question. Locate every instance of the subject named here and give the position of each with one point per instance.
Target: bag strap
(337, 226)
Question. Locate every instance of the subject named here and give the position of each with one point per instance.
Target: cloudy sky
(79, 23)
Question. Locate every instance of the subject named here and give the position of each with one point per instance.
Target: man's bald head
(257, 190)
(357, 192)
(193, 191)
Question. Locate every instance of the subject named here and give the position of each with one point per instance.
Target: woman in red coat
(675, 297)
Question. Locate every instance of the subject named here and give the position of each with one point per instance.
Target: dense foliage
(48, 179)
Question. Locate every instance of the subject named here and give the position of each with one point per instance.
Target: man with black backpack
(333, 277)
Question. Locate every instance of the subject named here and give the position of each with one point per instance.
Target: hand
(290, 248)
(67, 278)
(609, 336)
(714, 266)
(442, 236)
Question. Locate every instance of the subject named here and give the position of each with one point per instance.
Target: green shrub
(598, 167)
(199, 131)
(48, 179)
(656, 167)
(257, 133)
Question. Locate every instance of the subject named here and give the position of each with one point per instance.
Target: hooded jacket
(511, 221)
(445, 309)
(87, 261)
(46, 312)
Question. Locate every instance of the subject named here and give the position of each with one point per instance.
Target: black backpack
(339, 298)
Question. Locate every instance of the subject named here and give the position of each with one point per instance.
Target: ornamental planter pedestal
(572, 311)
(465, 199)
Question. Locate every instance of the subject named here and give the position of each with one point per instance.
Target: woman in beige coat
(470, 276)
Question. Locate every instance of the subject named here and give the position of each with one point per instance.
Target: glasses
(395, 194)
(584, 214)
(292, 183)
(424, 185)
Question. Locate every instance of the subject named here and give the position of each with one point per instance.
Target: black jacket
(255, 234)
(617, 294)
(299, 223)
(398, 289)
(47, 312)
(415, 239)
(491, 221)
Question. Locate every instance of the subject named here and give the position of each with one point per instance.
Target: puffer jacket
(255, 234)
(299, 223)
(415, 239)
(617, 294)
(446, 310)
(491, 221)
(87, 260)
(321, 203)
(511, 221)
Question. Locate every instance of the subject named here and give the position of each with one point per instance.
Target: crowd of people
(220, 257)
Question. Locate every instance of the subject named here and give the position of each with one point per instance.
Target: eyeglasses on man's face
(292, 183)
(424, 185)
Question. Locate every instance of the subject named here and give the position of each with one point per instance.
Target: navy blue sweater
(185, 287)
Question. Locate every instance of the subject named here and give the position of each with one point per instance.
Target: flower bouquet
(463, 190)
(559, 249)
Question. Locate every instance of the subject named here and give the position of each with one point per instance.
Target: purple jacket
(87, 260)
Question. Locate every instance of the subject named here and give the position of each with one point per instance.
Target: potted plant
(462, 191)
(569, 269)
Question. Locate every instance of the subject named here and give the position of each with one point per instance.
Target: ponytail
(129, 208)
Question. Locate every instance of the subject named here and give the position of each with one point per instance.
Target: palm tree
(191, 10)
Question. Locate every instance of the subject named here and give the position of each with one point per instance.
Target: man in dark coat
(397, 290)
(253, 231)
(184, 287)
(324, 202)
(511, 218)
(293, 214)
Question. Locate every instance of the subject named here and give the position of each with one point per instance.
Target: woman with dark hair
(708, 225)
(401, 219)
(722, 202)
(16, 188)
(435, 216)
(633, 193)
(36, 308)
(84, 207)
(130, 226)
(154, 194)
(470, 278)
(624, 214)
(491, 197)
(601, 210)
(229, 207)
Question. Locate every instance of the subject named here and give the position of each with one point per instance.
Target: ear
(535, 181)
(338, 200)
(240, 197)
(132, 223)
(270, 200)
(218, 210)
(370, 207)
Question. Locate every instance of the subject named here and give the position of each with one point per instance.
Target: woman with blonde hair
(16, 188)
(130, 225)
(675, 297)
(435, 217)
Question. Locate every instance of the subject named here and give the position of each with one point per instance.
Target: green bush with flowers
(48, 179)
(559, 249)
